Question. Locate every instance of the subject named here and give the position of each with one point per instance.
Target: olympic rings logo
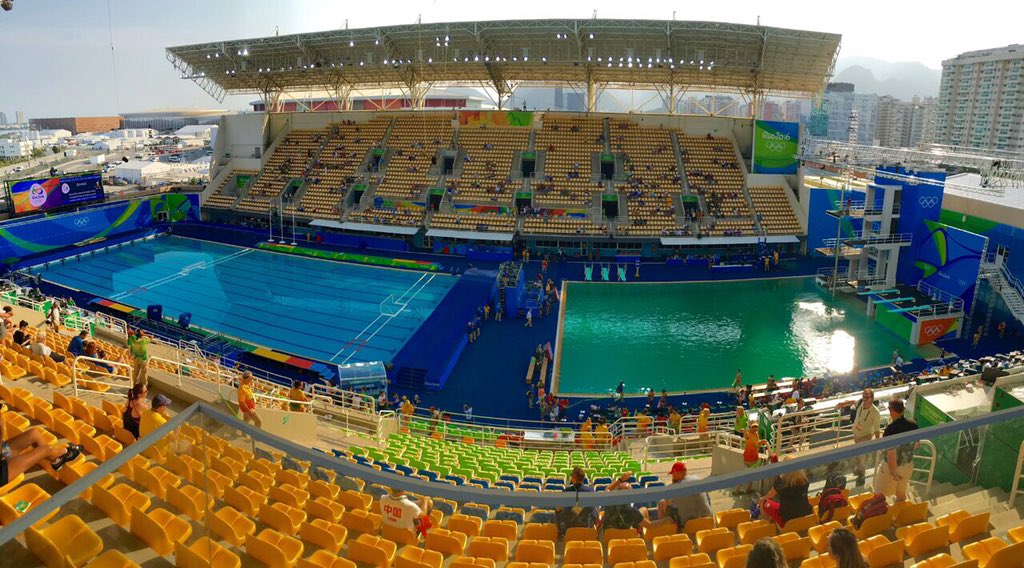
(928, 202)
(933, 330)
(81, 221)
(774, 145)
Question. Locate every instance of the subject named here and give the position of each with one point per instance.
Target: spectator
(53, 317)
(766, 554)
(894, 474)
(28, 449)
(684, 508)
(787, 499)
(138, 346)
(866, 420)
(77, 345)
(131, 417)
(399, 510)
(623, 516)
(297, 395)
(576, 516)
(153, 419)
(6, 320)
(467, 409)
(39, 347)
(21, 337)
(247, 400)
(842, 545)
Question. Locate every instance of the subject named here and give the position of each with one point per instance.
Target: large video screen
(37, 195)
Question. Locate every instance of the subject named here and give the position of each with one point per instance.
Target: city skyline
(80, 61)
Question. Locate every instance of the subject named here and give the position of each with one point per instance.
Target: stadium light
(591, 36)
(351, 43)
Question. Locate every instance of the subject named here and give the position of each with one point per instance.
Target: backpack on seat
(873, 507)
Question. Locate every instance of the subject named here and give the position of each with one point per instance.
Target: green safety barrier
(357, 258)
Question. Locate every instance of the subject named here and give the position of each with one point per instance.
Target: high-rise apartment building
(981, 100)
(19, 117)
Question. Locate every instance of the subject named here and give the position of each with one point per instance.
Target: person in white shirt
(866, 426)
(400, 511)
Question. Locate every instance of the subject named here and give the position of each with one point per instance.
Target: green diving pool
(693, 336)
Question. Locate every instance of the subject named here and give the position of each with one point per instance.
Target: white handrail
(932, 458)
(1016, 475)
(93, 376)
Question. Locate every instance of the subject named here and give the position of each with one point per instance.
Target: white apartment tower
(981, 100)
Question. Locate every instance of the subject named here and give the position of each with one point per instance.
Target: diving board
(891, 301)
(876, 292)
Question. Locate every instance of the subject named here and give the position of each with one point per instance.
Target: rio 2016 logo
(765, 135)
(37, 195)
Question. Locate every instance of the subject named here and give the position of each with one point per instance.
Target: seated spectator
(842, 545)
(28, 449)
(576, 516)
(154, 418)
(77, 345)
(21, 337)
(39, 347)
(297, 394)
(767, 554)
(624, 516)
(787, 499)
(686, 507)
(401, 511)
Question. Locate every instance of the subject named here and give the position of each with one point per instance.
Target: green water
(693, 336)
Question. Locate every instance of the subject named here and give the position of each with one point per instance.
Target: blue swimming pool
(321, 309)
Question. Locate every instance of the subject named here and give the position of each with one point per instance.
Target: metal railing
(1015, 489)
(97, 380)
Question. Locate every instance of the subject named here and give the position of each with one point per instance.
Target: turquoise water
(314, 308)
(693, 336)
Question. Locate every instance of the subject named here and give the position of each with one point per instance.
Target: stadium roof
(700, 56)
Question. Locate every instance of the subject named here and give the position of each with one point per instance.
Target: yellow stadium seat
(399, 535)
(879, 552)
(734, 556)
(214, 482)
(469, 526)
(185, 466)
(923, 538)
(1016, 534)
(273, 548)
(448, 543)
(945, 561)
(289, 495)
(282, 518)
(362, 521)
(750, 531)
(671, 546)
(713, 540)
(608, 535)
(323, 534)
(204, 553)
(819, 535)
(732, 518)
(495, 548)
(413, 557)
(472, 562)
(319, 488)
(700, 560)
(872, 526)
(799, 525)
(906, 513)
(22, 500)
(265, 467)
(627, 550)
(73, 471)
(300, 480)
(231, 525)
(963, 525)
(244, 499)
(111, 559)
(637, 564)
(227, 466)
(324, 559)
(156, 480)
(51, 544)
(372, 550)
(256, 481)
(540, 531)
(535, 551)
(580, 533)
(188, 500)
(659, 529)
(694, 526)
(326, 509)
(994, 552)
(160, 529)
(352, 500)
(794, 546)
(119, 501)
(819, 561)
(584, 552)
(124, 436)
(506, 529)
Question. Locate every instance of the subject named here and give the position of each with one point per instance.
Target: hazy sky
(55, 55)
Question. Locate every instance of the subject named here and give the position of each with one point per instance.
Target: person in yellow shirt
(601, 435)
(247, 400)
(702, 422)
(298, 396)
(643, 423)
(587, 426)
(153, 419)
(675, 420)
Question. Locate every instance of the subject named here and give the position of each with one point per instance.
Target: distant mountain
(902, 80)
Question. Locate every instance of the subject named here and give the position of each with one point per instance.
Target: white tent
(138, 171)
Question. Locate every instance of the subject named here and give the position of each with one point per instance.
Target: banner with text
(38, 195)
(776, 147)
(494, 118)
